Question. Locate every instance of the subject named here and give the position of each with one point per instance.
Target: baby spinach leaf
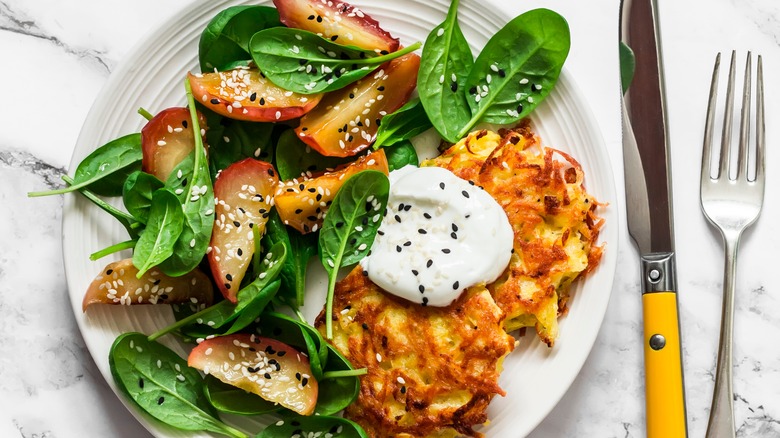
(517, 69)
(226, 38)
(446, 60)
(298, 334)
(163, 229)
(137, 194)
(349, 229)
(132, 226)
(401, 154)
(121, 246)
(306, 63)
(300, 248)
(233, 400)
(197, 203)
(336, 393)
(104, 170)
(161, 383)
(336, 427)
(238, 140)
(294, 157)
(403, 124)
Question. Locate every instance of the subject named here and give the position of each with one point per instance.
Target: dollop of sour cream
(441, 235)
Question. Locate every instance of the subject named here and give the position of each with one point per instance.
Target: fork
(731, 204)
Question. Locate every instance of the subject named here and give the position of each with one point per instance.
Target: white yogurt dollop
(440, 236)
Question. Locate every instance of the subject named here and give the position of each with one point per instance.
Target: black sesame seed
(240, 252)
(421, 288)
(272, 361)
(441, 184)
(365, 326)
(454, 235)
(454, 227)
(271, 172)
(253, 97)
(160, 400)
(501, 73)
(425, 301)
(339, 224)
(298, 211)
(141, 383)
(304, 381)
(215, 101)
(184, 182)
(184, 123)
(227, 285)
(380, 232)
(262, 101)
(365, 273)
(401, 206)
(407, 243)
(109, 272)
(311, 17)
(297, 376)
(229, 277)
(398, 219)
(415, 272)
(403, 390)
(465, 193)
(421, 231)
(381, 88)
(237, 223)
(454, 87)
(456, 285)
(364, 221)
(520, 108)
(473, 90)
(429, 264)
(267, 376)
(351, 96)
(312, 218)
(319, 19)
(164, 296)
(407, 207)
(427, 216)
(398, 248)
(446, 250)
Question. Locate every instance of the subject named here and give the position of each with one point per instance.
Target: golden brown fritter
(553, 217)
(431, 370)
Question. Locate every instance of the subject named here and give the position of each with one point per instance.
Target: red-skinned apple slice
(244, 197)
(338, 21)
(118, 284)
(346, 121)
(245, 94)
(167, 139)
(303, 204)
(271, 369)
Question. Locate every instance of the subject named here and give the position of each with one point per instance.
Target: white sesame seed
(161, 143)
(378, 357)
(440, 32)
(523, 81)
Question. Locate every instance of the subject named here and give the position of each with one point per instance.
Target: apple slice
(245, 94)
(271, 369)
(338, 21)
(346, 121)
(244, 197)
(303, 204)
(118, 284)
(167, 139)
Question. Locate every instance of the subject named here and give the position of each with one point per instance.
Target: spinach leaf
(446, 60)
(300, 248)
(158, 239)
(336, 427)
(403, 124)
(299, 334)
(132, 226)
(233, 400)
(401, 154)
(306, 63)
(226, 38)
(161, 383)
(294, 157)
(517, 69)
(349, 229)
(627, 66)
(104, 170)
(238, 140)
(137, 194)
(336, 393)
(197, 203)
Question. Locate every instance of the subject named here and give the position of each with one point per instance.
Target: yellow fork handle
(663, 367)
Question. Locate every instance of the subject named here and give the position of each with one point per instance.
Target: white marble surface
(58, 54)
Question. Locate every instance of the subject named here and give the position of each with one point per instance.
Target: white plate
(535, 377)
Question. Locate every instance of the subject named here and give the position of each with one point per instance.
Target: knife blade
(649, 216)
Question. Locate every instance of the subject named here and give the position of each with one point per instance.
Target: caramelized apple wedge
(167, 139)
(338, 21)
(245, 94)
(303, 204)
(271, 369)
(346, 121)
(118, 284)
(244, 197)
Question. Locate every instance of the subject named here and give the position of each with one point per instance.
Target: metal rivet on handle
(657, 342)
(654, 275)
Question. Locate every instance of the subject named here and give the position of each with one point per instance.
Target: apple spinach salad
(298, 111)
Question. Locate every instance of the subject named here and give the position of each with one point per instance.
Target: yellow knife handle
(663, 367)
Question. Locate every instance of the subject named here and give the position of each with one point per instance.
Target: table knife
(649, 215)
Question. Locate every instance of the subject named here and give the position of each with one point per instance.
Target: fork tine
(706, 158)
(760, 139)
(728, 118)
(744, 123)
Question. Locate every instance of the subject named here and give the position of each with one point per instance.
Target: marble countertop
(58, 55)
